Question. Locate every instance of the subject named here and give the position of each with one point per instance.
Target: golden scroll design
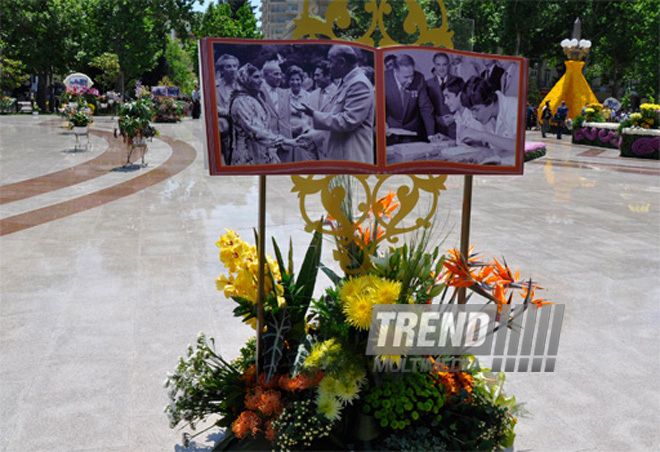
(337, 14)
(371, 225)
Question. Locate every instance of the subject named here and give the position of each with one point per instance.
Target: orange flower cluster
(247, 422)
(453, 382)
(383, 207)
(494, 278)
(264, 402)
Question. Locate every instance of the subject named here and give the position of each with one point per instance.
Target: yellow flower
(393, 358)
(328, 385)
(322, 354)
(386, 291)
(358, 311)
(347, 391)
(352, 288)
(329, 406)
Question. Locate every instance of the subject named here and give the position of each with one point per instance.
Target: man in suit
(349, 116)
(276, 101)
(407, 105)
(442, 116)
(325, 89)
(493, 72)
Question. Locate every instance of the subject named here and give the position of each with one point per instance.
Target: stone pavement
(106, 276)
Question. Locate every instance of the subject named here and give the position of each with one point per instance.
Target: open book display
(326, 107)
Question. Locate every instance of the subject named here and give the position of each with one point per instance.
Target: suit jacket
(495, 77)
(315, 97)
(279, 116)
(416, 112)
(349, 117)
(436, 95)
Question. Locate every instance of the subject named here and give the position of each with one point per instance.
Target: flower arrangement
(167, 110)
(647, 118)
(316, 384)
(82, 96)
(7, 104)
(592, 112)
(81, 117)
(135, 117)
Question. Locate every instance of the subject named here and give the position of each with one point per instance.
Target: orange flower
(537, 301)
(247, 422)
(272, 383)
(386, 205)
(253, 398)
(304, 381)
(270, 402)
(249, 375)
(270, 433)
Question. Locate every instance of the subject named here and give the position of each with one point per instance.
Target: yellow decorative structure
(383, 226)
(338, 15)
(332, 195)
(572, 88)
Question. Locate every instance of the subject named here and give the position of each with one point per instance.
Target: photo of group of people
(451, 107)
(285, 103)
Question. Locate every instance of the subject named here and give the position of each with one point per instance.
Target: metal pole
(262, 266)
(465, 228)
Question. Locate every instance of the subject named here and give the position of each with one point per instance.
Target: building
(277, 15)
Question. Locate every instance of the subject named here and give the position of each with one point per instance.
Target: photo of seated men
(285, 103)
(451, 108)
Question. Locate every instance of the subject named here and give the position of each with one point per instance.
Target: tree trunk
(41, 92)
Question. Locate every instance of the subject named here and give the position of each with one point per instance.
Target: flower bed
(167, 110)
(601, 134)
(640, 143)
(316, 387)
(534, 150)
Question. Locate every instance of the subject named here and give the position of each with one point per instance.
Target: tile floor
(106, 276)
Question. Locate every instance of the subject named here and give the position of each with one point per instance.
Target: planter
(139, 141)
(640, 143)
(597, 134)
(80, 130)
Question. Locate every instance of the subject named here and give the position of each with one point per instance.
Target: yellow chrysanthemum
(393, 358)
(358, 311)
(347, 391)
(328, 385)
(386, 291)
(329, 406)
(322, 354)
(352, 288)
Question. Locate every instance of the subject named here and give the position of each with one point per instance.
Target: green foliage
(135, 119)
(179, 66)
(81, 118)
(167, 109)
(299, 425)
(12, 74)
(415, 268)
(414, 439)
(108, 63)
(277, 327)
(222, 390)
(405, 400)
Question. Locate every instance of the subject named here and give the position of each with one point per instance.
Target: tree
(108, 63)
(11, 74)
(179, 66)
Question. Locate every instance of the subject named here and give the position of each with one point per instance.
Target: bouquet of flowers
(135, 117)
(316, 387)
(647, 118)
(167, 110)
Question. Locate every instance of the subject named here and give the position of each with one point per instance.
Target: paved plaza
(107, 274)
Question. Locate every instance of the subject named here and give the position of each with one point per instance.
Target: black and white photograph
(445, 106)
(286, 103)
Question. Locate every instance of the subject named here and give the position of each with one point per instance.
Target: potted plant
(79, 119)
(135, 121)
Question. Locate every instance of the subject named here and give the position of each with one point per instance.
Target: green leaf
(334, 277)
(309, 269)
(278, 256)
(278, 325)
